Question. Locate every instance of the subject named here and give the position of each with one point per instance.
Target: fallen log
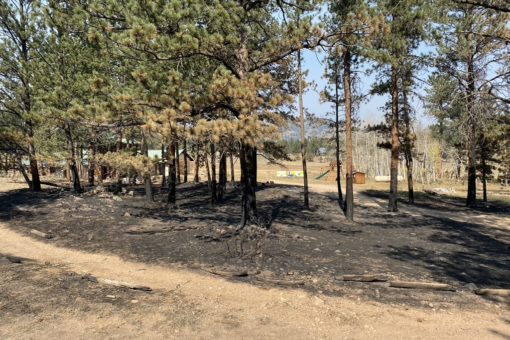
(364, 278)
(240, 273)
(159, 230)
(421, 285)
(54, 185)
(282, 282)
(40, 234)
(493, 292)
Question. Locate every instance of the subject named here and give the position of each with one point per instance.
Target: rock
(117, 198)
(126, 214)
(131, 193)
(124, 190)
(266, 273)
(471, 287)
(110, 296)
(134, 301)
(317, 249)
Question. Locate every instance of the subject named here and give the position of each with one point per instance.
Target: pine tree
(468, 40)
(404, 22)
(20, 36)
(352, 27)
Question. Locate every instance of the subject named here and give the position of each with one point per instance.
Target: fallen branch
(493, 292)
(241, 273)
(282, 282)
(364, 278)
(40, 234)
(421, 285)
(150, 231)
(54, 185)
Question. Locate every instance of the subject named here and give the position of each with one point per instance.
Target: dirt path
(224, 309)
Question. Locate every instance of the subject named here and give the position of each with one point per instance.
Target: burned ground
(433, 241)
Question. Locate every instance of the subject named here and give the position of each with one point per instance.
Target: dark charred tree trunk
(484, 179)
(255, 166)
(248, 200)
(232, 174)
(185, 155)
(408, 142)
(196, 178)
(72, 161)
(395, 143)
(117, 171)
(92, 160)
(162, 167)
(177, 163)
(222, 175)
(247, 153)
(171, 173)
(337, 136)
(303, 137)
(34, 169)
(349, 192)
(213, 173)
(471, 135)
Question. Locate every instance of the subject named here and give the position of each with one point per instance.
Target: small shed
(359, 177)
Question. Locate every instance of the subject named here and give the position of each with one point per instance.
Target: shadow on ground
(313, 246)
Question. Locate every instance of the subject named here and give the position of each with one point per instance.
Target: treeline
(219, 78)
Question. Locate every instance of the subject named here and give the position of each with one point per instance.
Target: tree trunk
(471, 135)
(303, 138)
(185, 154)
(232, 175)
(213, 173)
(408, 144)
(72, 161)
(337, 136)
(34, 170)
(248, 161)
(222, 175)
(117, 171)
(349, 192)
(395, 144)
(248, 200)
(92, 160)
(196, 179)
(162, 167)
(177, 162)
(171, 173)
(255, 167)
(484, 178)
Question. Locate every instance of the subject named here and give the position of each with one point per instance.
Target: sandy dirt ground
(46, 292)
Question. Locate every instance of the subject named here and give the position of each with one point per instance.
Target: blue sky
(370, 111)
